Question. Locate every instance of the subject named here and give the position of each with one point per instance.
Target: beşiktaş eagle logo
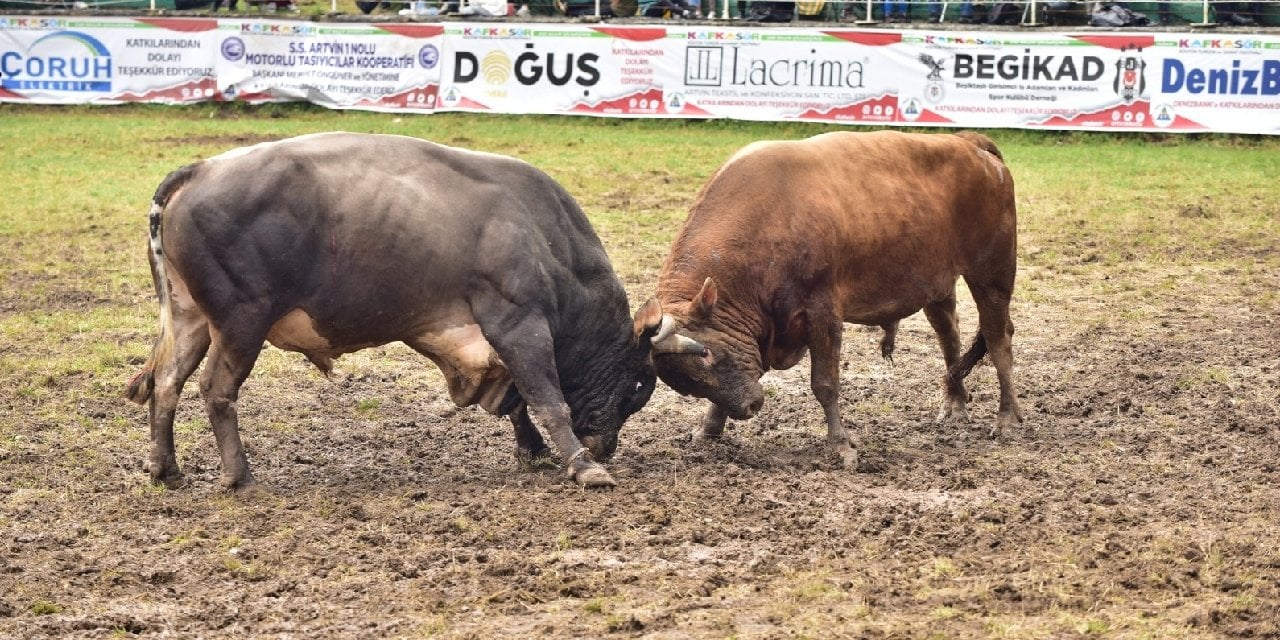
(933, 82)
(935, 66)
(1131, 79)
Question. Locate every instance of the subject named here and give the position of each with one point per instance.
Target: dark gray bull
(330, 243)
(789, 240)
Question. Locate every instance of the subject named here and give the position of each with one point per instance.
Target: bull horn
(665, 328)
(668, 341)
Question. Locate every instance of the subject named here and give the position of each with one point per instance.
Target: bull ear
(647, 319)
(705, 302)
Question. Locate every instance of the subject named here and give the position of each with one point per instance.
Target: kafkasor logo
(1131, 80)
(59, 61)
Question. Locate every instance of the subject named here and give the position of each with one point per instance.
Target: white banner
(527, 68)
(789, 74)
(72, 60)
(366, 66)
(1021, 79)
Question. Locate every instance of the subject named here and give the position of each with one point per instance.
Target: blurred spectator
(966, 12)
(767, 11)
(1236, 13)
(1005, 13)
(1111, 14)
(416, 8)
(483, 8)
(1055, 12)
(622, 8)
(669, 9)
(579, 8)
(895, 11)
(935, 11)
(231, 5)
(267, 6)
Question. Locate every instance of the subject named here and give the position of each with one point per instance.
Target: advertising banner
(1029, 80)
(1217, 83)
(73, 60)
(1112, 81)
(774, 74)
(1097, 82)
(527, 68)
(366, 66)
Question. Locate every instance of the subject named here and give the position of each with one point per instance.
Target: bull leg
(824, 379)
(191, 342)
(230, 361)
(997, 330)
(529, 443)
(523, 341)
(712, 426)
(942, 316)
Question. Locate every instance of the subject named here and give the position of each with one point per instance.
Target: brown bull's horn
(679, 344)
(668, 341)
(665, 328)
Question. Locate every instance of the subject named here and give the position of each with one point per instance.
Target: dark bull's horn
(668, 341)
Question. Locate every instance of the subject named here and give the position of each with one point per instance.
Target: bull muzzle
(600, 446)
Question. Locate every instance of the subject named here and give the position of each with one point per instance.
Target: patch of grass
(45, 608)
(874, 408)
(1201, 377)
(188, 537)
(564, 541)
(944, 568)
(944, 613)
(1093, 627)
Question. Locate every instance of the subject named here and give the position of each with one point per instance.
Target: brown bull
(789, 240)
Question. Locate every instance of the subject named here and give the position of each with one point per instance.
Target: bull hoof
(241, 487)
(846, 449)
(1004, 421)
(953, 413)
(849, 459)
(702, 435)
(165, 474)
(594, 477)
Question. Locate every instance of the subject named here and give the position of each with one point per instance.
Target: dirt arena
(1138, 500)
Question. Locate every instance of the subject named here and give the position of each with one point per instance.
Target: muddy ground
(1138, 500)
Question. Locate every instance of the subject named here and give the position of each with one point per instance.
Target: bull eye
(639, 386)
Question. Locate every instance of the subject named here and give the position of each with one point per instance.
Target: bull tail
(982, 142)
(142, 384)
(958, 371)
